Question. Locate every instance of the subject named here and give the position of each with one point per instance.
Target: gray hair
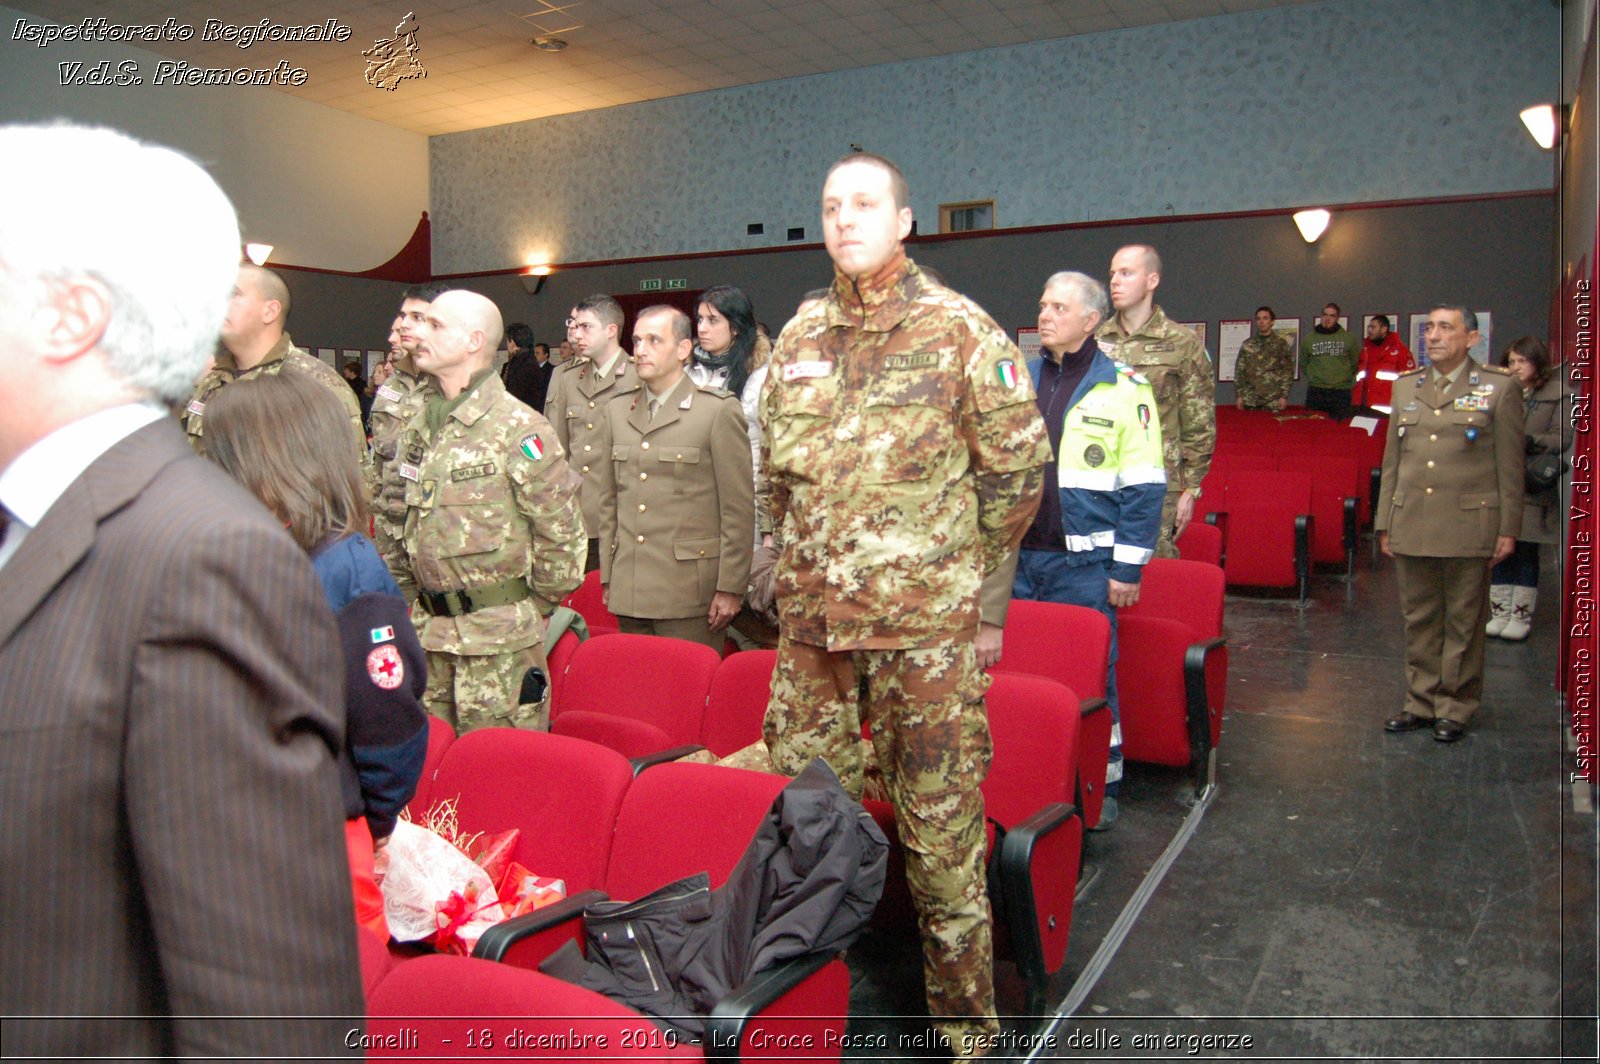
(145, 221)
(1090, 293)
(1469, 320)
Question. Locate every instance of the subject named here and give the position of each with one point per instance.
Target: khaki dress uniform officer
(579, 392)
(677, 509)
(1450, 495)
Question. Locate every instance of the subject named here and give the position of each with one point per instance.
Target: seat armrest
(1090, 706)
(1094, 740)
(1352, 533)
(1057, 825)
(1302, 554)
(731, 1016)
(661, 757)
(528, 939)
(1197, 704)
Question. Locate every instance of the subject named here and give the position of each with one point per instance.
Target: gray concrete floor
(1349, 894)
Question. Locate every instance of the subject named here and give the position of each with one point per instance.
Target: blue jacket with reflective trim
(1110, 469)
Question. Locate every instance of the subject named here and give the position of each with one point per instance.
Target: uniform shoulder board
(1503, 371)
(1411, 372)
(1129, 372)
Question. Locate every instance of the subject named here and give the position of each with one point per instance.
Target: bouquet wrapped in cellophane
(444, 887)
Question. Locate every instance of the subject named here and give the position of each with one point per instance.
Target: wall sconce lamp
(1544, 122)
(533, 279)
(257, 253)
(1312, 223)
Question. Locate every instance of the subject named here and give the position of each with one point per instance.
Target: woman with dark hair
(730, 353)
(1514, 583)
(281, 436)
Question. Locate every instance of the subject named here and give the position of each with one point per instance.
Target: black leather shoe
(1448, 731)
(1403, 722)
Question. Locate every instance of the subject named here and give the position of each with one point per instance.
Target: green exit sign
(652, 284)
(677, 283)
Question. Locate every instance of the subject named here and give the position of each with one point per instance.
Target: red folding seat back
(638, 694)
(587, 600)
(1264, 518)
(1071, 645)
(440, 737)
(1193, 593)
(562, 794)
(1201, 542)
(678, 819)
(1150, 652)
(737, 704)
(1029, 791)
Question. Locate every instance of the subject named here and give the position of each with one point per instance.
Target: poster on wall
(1479, 352)
(329, 355)
(1235, 331)
(370, 363)
(1231, 335)
(1028, 341)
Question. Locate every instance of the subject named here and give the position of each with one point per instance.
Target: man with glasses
(599, 371)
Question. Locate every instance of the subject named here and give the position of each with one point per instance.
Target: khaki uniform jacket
(1453, 465)
(677, 508)
(1173, 360)
(284, 356)
(490, 499)
(906, 458)
(574, 405)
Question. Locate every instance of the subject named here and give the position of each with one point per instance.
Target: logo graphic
(389, 62)
(1007, 372)
(385, 668)
(533, 447)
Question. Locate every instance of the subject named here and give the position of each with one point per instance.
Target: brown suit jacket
(171, 698)
(1453, 465)
(677, 502)
(577, 399)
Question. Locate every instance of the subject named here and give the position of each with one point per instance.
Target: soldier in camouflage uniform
(1264, 371)
(254, 343)
(492, 529)
(906, 459)
(577, 398)
(1175, 363)
(396, 401)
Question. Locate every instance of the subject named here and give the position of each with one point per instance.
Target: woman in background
(730, 353)
(1514, 583)
(281, 437)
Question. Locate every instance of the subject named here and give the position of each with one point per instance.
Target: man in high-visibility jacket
(1384, 356)
(1100, 517)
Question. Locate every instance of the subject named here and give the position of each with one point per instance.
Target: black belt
(456, 603)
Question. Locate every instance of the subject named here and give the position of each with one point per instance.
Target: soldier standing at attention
(578, 395)
(907, 458)
(397, 398)
(254, 342)
(1265, 369)
(1449, 510)
(676, 495)
(492, 530)
(1175, 363)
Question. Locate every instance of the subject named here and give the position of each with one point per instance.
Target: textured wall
(1347, 101)
(325, 188)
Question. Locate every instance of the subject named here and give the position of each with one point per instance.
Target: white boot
(1499, 609)
(1523, 600)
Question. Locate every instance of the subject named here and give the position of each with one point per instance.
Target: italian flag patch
(384, 634)
(533, 447)
(1007, 372)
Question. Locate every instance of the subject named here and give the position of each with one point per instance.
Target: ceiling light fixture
(1542, 125)
(257, 253)
(549, 44)
(1312, 223)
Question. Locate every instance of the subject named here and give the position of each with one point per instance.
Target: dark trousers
(1335, 402)
(1521, 567)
